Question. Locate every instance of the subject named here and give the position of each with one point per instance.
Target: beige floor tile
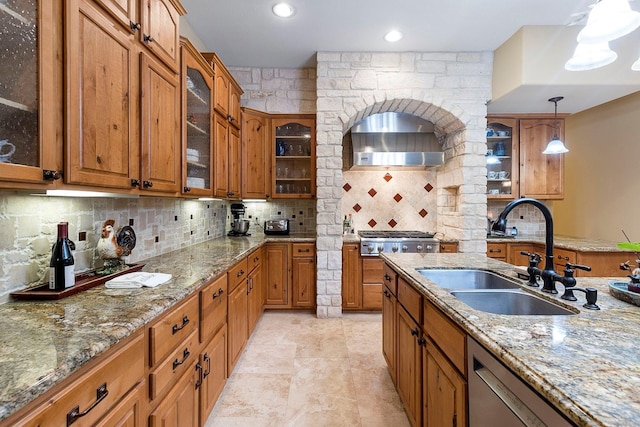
(244, 422)
(254, 395)
(267, 359)
(375, 392)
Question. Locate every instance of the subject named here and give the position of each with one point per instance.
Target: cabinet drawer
(172, 368)
(213, 307)
(172, 329)
(111, 379)
(446, 334)
(497, 250)
(410, 299)
(448, 247)
(303, 249)
(237, 274)
(390, 279)
(372, 270)
(255, 258)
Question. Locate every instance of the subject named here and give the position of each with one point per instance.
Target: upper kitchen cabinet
(294, 156)
(197, 135)
(256, 179)
(542, 175)
(502, 158)
(227, 91)
(160, 31)
(30, 92)
(516, 166)
(122, 106)
(226, 169)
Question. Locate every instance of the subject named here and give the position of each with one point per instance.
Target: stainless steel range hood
(395, 140)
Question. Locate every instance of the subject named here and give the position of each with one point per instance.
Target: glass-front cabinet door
(294, 162)
(502, 158)
(197, 139)
(30, 103)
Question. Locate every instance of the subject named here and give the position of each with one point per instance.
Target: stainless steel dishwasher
(497, 397)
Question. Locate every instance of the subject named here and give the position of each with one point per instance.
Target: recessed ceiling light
(393, 36)
(283, 10)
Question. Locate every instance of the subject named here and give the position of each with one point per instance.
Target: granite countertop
(43, 342)
(565, 242)
(587, 365)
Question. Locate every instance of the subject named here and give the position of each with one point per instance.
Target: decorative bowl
(620, 290)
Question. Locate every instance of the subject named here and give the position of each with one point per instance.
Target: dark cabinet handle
(51, 175)
(147, 38)
(186, 189)
(200, 375)
(147, 184)
(387, 277)
(135, 26)
(497, 251)
(185, 355)
(422, 342)
(240, 273)
(256, 259)
(387, 293)
(135, 183)
(415, 332)
(74, 414)
(217, 293)
(305, 250)
(208, 360)
(176, 328)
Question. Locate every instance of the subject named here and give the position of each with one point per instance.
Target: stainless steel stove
(373, 242)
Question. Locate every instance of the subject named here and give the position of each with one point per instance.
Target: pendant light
(555, 146)
(589, 56)
(609, 20)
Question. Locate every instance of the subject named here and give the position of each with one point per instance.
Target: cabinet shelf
(305, 137)
(24, 20)
(293, 157)
(13, 104)
(194, 130)
(498, 138)
(197, 164)
(293, 179)
(193, 96)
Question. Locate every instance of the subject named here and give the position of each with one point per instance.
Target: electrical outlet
(257, 221)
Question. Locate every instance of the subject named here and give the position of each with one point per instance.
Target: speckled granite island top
(43, 342)
(565, 242)
(587, 365)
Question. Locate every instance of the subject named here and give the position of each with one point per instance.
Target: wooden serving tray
(84, 281)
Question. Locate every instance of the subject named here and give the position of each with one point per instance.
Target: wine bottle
(61, 273)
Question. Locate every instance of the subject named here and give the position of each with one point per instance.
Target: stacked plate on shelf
(193, 155)
(195, 182)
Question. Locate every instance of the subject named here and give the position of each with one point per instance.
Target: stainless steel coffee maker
(239, 225)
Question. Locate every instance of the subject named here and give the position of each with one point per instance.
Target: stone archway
(352, 86)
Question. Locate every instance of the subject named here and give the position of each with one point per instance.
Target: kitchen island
(44, 342)
(586, 365)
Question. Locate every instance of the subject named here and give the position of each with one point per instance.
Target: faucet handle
(570, 266)
(534, 258)
(532, 270)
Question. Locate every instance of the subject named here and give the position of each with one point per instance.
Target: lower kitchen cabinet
(237, 325)
(129, 411)
(444, 390)
(255, 299)
(213, 365)
(277, 277)
(389, 331)
(291, 276)
(497, 251)
(180, 406)
(351, 276)
(448, 247)
(303, 275)
(372, 283)
(409, 364)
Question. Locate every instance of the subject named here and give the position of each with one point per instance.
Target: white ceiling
(246, 33)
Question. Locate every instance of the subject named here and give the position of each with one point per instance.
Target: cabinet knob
(147, 184)
(135, 26)
(135, 183)
(147, 38)
(51, 175)
(186, 189)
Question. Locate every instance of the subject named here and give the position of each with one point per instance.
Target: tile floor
(301, 371)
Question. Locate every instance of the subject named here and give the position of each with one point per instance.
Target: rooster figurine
(112, 246)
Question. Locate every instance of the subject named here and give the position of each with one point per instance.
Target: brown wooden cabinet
(160, 30)
(515, 257)
(497, 250)
(237, 316)
(213, 366)
(226, 158)
(277, 277)
(535, 174)
(256, 159)
(409, 363)
(351, 276)
(227, 91)
(180, 406)
(542, 175)
(303, 275)
(255, 286)
(129, 411)
(197, 132)
(372, 271)
(31, 93)
(448, 247)
(122, 123)
(502, 156)
(389, 330)
(293, 154)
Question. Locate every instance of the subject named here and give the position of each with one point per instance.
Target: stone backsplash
(28, 230)
(300, 213)
(526, 218)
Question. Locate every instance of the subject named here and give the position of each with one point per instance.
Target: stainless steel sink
(512, 302)
(467, 279)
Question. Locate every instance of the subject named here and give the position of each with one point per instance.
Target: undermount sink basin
(511, 302)
(467, 279)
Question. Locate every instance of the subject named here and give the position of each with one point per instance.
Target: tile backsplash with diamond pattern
(390, 200)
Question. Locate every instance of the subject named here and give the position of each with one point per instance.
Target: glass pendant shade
(609, 20)
(590, 56)
(555, 146)
(636, 65)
